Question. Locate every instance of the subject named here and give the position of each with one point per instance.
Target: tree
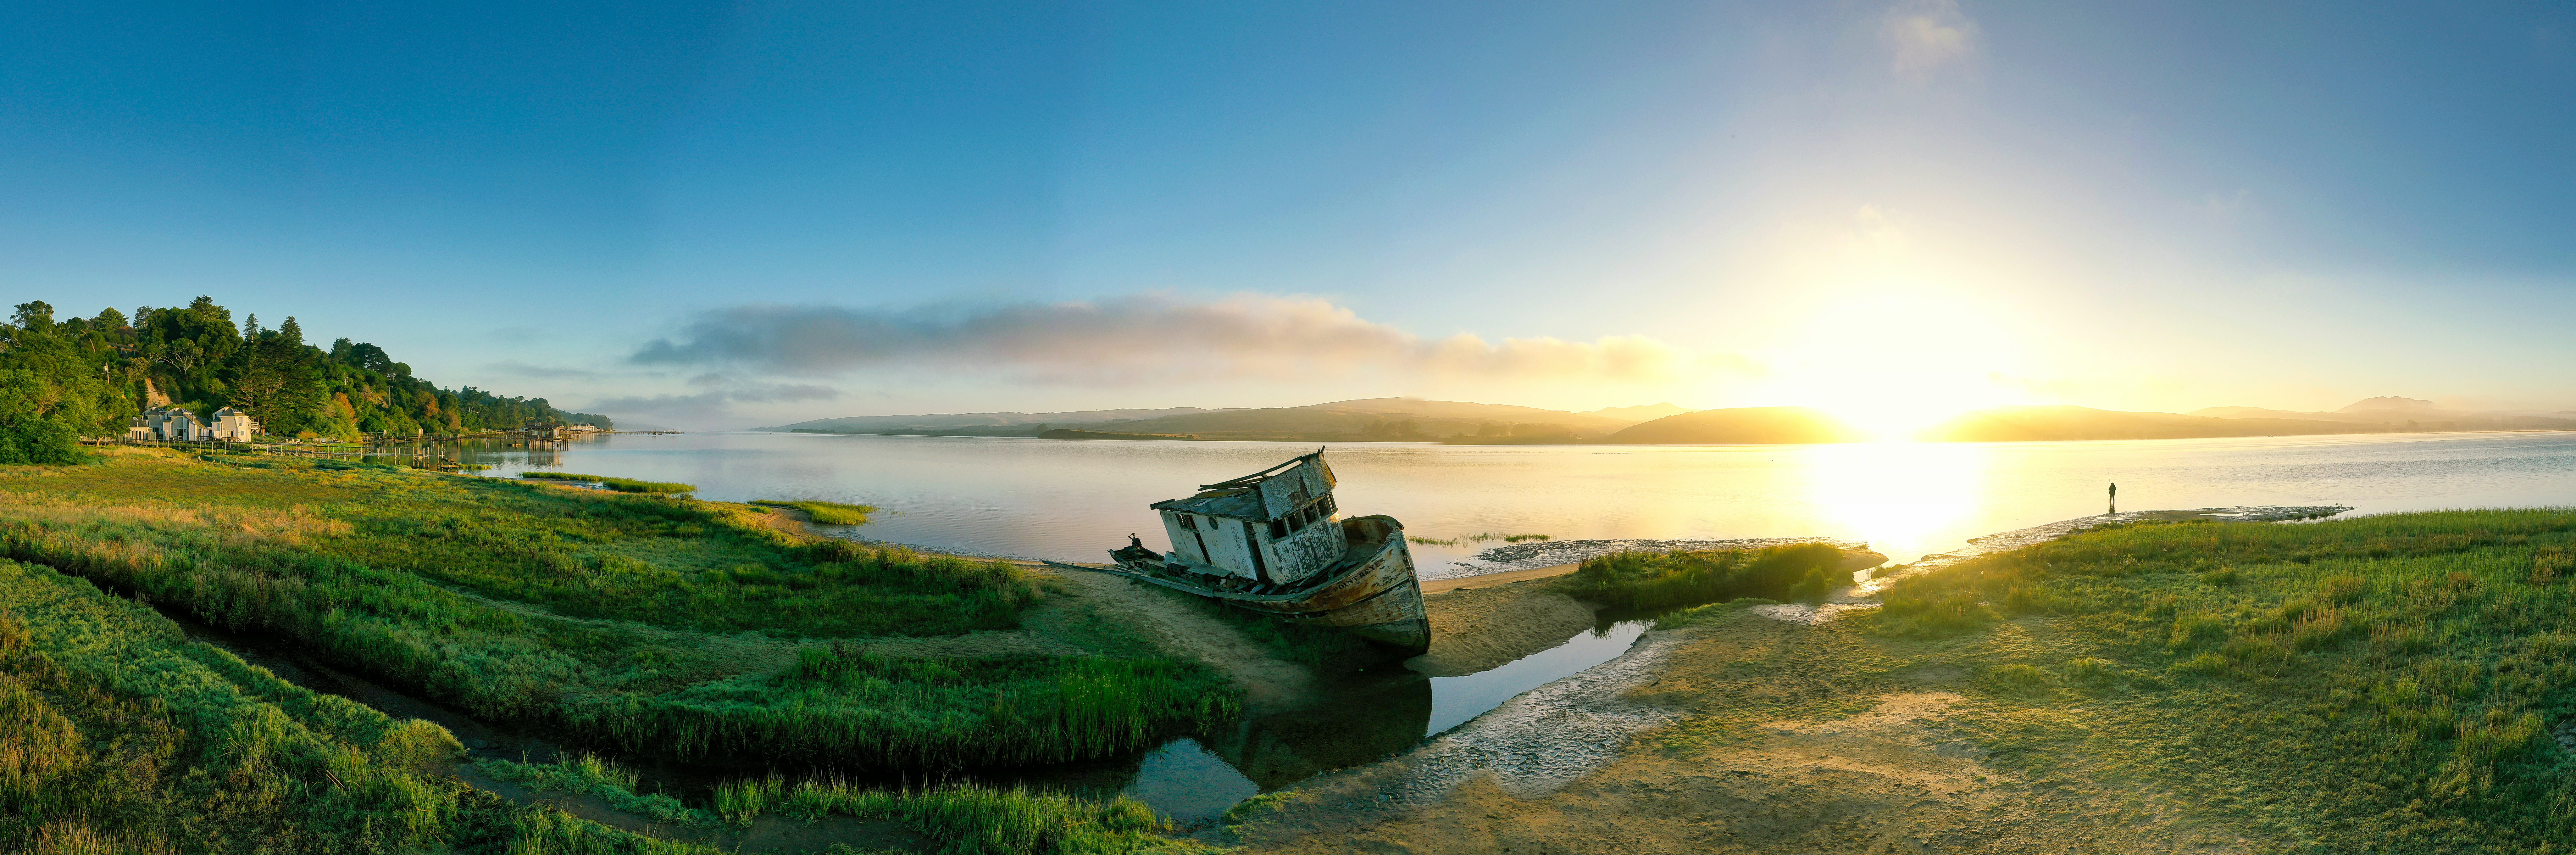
(276, 383)
(372, 358)
(34, 315)
(28, 431)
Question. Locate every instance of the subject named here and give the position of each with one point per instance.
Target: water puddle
(1455, 700)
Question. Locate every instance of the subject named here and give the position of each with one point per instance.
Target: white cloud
(1926, 36)
(1138, 340)
(714, 404)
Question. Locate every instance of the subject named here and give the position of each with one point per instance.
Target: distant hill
(1378, 419)
(1061, 433)
(2387, 404)
(946, 421)
(1467, 423)
(1647, 413)
(1745, 425)
(2408, 414)
(2029, 424)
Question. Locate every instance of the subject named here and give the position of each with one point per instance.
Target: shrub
(1639, 580)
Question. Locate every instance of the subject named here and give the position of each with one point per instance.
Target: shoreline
(1533, 555)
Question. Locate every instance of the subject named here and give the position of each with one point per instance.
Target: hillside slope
(1745, 425)
(1395, 419)
(2412, 414)
(2028, 424)
(90, 376)
(940, 421)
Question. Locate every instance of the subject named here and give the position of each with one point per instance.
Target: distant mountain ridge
(1364, 419)
(1647, 413)
(1467, 423)
(934, 421)
(1739, 426)
(2407, 414)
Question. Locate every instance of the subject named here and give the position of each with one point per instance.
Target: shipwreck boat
(1270, 543)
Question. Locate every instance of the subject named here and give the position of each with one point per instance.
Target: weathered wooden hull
(1373, 593)
(1380, 600)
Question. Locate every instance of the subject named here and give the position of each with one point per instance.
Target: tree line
(64, 379)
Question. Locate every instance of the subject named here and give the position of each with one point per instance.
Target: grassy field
(118, 736)
(427, 581)
(2383, 684)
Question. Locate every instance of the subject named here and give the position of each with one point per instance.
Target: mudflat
(1488, 580)
(1473, 629)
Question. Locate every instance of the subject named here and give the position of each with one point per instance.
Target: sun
(1893, 362)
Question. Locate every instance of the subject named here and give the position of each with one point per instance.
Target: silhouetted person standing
(2115, 497)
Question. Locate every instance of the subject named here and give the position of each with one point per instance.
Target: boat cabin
(1274, 526)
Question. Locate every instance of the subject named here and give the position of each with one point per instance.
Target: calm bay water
(1073, 500)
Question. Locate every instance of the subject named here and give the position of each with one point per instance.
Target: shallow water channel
(1358, 718)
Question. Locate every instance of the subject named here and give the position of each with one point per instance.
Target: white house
(233, 425)
(169, 424)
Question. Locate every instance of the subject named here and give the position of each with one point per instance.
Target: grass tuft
(826, 513)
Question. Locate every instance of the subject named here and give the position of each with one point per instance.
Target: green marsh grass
(410, 576)
(961, 818)
(622, 485)
(2380, 684)
(867, 709)
(589, 774)
(826, 513)
(1647, 580)
(119, 736)
(974, 820)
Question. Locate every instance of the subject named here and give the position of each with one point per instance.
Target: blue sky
(755, 212)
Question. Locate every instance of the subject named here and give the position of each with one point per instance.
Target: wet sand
(1473, 629)
(1487, 580)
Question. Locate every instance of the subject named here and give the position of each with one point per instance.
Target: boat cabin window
(1278, 528)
